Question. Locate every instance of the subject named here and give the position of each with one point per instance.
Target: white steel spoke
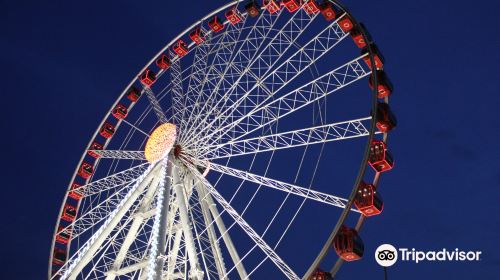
(156, 105)
(290, 139)
(294, 100)
(230, 75)
(275, 258)
(282, 186)
(112, 181)
(176, 91)
(200, 94)
(273, 81)
(117, 154)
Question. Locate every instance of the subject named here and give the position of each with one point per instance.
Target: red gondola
(95, 146)
(163, 62)
(63, 235)
(348, 245)
(76, 195)
(386, 121)
(148, 78)
(292, 5)
(311, 7)
(252, 8)
(357, 37)
(380, 158)
(377, 56)
(120, 112)
(368, 200)
(327, 10)
(320, 275)
(133, 94)
(197, 35)
(107, 130)
(345, 23)
(272, 6)
(180, 48)
(86, 170)
(69, 213)
(384, 84)
(216, 24)
(59, 257)
(233, 16)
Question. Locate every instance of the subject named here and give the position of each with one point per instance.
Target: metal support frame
(195, 270)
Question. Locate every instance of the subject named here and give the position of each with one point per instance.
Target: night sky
(63, 63)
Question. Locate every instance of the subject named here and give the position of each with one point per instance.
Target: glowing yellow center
(160, 142)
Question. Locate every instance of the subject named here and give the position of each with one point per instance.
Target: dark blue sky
(64, 62)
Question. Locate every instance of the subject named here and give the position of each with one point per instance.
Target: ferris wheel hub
(160, 142)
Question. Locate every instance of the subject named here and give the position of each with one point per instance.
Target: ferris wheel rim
(231, 4)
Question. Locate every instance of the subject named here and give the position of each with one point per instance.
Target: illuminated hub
(160, 142)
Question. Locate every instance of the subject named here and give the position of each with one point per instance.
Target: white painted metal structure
(166, 220)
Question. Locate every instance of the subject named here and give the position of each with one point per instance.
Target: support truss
(270, 82)
(84, 255)
(119, 154)
(291, 139)
(292, 101)
(118, 179)
(275, 258)
(282, 186)
(156, 105)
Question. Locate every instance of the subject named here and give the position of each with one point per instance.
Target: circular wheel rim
(362, 169)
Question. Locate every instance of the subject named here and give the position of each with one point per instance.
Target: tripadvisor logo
(387, 255)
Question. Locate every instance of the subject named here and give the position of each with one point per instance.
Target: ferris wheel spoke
(237, 61)
(251, 76)
(276, 259)
(196, 76)
(140, 119)
(112, 181)
(281, 186)
(85, 253)
(176, 91)
(98, 210)
(156, 105)
(290, 139)
(211, 75)
(273, 81)
(118, 154)
(290, 102)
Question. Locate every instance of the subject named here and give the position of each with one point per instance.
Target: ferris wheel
(214, 160)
